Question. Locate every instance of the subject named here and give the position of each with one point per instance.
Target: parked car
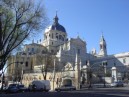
(12, 88)
(117, 84)
(22, 88)
(65, 88)
(47, 85)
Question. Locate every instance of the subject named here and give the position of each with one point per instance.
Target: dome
(56, 26)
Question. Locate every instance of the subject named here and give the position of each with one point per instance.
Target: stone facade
(70, 56)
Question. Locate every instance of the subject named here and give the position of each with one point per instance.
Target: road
(97, 92)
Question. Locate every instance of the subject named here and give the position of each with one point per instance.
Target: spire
(102, 37)
(56, 19)
(56, 13)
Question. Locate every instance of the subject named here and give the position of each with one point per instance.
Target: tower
(54, 36)
(103, 47)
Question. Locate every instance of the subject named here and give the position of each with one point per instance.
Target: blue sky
(90, 18)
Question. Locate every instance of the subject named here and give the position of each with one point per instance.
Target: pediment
(68, 66)
(78, 41)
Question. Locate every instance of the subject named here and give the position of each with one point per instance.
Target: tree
(46, 63)
(19, 20)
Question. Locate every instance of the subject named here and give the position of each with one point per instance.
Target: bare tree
(46, 64)
(19, 19)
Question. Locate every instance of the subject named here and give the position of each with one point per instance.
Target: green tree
(19, 20)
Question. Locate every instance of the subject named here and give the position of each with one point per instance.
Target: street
(97, 92)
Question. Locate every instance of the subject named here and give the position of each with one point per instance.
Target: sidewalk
(97, 86)
(101, 86)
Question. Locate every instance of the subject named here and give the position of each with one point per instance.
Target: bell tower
(103, 47)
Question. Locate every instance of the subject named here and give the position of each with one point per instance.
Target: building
(68, 59)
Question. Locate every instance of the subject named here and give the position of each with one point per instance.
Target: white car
(117, 84)
(39, 85)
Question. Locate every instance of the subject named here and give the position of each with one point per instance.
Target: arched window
(57, 37)
(100, 46)
(52, 35)
(26, 64)
(60, 36)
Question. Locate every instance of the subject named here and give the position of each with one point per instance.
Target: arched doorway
(67, 82)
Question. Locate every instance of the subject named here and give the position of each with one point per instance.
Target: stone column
(77, 73)
(114, 74)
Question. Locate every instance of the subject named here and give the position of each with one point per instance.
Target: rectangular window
(32, 49)
(78, 51)
(124, 60)
(52, 35)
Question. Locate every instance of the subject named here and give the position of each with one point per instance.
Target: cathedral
(66, 60)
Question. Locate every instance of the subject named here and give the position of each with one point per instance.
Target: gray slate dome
(57, 26)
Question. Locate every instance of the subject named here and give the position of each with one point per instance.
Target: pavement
(101, 86)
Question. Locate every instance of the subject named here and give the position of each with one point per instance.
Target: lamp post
(53, 74)
(89, 73)
(85, 75)
(104, 64)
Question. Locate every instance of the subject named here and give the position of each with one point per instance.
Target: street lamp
(84, 75)
(90, 78)
(54, 74)
(89, 73)
(104, 64)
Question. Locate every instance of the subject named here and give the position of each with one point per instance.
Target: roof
(56, 26)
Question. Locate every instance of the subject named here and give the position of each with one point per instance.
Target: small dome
(113, 68)
(56, 26)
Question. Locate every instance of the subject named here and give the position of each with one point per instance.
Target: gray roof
(56, 25)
